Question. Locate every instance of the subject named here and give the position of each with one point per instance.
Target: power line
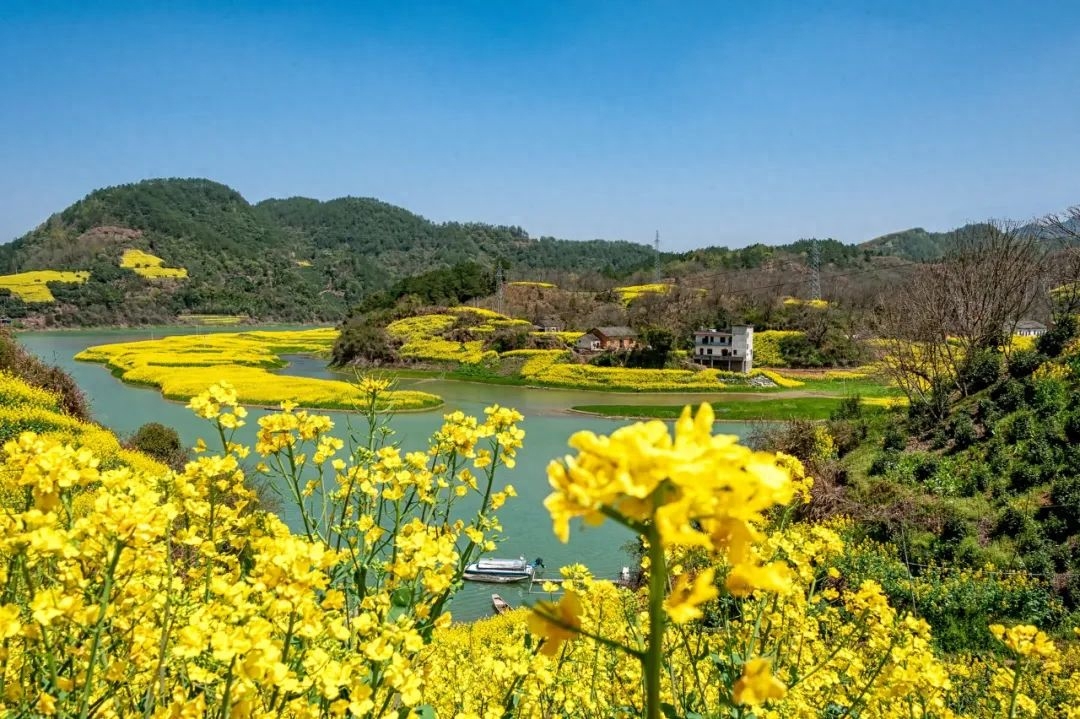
(656, 258)
(499, 288)
(903, 265)
(815, 270)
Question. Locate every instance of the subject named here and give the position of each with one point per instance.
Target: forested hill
(915, 244)
(292, 260)
(919, 245)
(159, 249)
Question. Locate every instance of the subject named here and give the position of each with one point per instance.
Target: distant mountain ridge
(300, 259)
(295, 259)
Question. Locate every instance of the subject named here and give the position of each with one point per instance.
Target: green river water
(548, 425)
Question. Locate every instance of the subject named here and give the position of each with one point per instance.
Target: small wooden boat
(500, 604)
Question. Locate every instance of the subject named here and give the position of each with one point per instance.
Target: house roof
(1030, 325)
(614, 331)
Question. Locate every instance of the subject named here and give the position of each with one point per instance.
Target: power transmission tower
(499, 288)
(815, 270)
(656, 258)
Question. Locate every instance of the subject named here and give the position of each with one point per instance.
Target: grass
(813, 408)
(864, 387)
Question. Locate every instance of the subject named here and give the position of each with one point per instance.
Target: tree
(948, 314)
(364, 341)
(160, 442)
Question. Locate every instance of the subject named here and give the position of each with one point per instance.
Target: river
(526, 524)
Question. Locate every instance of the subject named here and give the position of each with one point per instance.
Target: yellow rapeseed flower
(687, 596)
(556, 623)
(757, 684)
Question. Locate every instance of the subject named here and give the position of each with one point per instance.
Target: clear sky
(718, 122)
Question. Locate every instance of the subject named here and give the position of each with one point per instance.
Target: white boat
(502, 571)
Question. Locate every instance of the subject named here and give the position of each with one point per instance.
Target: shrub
(894, 438)
(160, 442)
(1009, 395)
(1052, 342)
(981, 370)
(1023, 362)
(962, 430)
(849, 408)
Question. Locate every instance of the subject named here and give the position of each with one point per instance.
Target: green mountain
(915, 244)
(300, 259)
(919, 245)
(296, 259)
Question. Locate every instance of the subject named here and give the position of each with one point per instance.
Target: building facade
(607, 339)
(731, 349)
(1029, 328)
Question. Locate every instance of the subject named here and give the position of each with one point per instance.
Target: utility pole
(499, 288)
(815, 270)
(656, 258)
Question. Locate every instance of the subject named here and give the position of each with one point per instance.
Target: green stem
(1015, 687)
(654, 653)
(103, 607)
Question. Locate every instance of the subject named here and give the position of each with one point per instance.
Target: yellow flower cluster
(1052, 370)
(33, 286)
(152, 593)
(538, 361)
(150, 266)
(569, 337)
(540, 285)
(632, 292)
(820, 648)
(767, 347)
(694, 488)
(423, 339)
(138, 591)
(1022, 342)
(799, 302)
(24, 408)
(16, 393)
(184, 365)
(778, 379)
(213, 320)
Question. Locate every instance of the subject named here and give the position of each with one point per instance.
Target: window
(709, 351)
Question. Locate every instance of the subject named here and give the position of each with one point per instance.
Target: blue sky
(714, 122)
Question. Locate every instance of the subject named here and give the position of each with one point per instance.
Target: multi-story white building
(731, 349)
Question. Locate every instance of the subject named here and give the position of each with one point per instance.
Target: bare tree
(1063, 234)
(939, 321)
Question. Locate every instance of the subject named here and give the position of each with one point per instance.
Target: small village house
(731, 349)
(1029, 328)
(607, 339)
(550, 324)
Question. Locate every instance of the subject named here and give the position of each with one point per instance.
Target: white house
(1029, 328)
(731, 349)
